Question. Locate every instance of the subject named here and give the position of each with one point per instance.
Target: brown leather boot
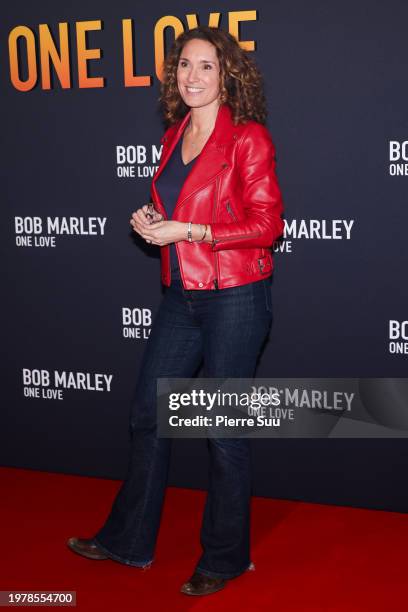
(86, 548)
(199, 584)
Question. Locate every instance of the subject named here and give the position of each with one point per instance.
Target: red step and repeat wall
(81, 141)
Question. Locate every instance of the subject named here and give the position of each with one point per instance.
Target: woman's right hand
(145, 216)
(151, 213)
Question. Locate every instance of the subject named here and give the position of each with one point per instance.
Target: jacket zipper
(250, 235)
(164, 213)
(213, 220)
(231, 212)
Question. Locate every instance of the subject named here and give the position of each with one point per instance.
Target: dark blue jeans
(226, 330)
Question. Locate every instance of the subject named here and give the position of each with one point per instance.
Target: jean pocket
(268, 293)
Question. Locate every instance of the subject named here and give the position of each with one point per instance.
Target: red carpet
(308, 557)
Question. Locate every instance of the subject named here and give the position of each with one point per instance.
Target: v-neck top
(169, 185)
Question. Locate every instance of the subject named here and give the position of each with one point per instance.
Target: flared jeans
(224, 330)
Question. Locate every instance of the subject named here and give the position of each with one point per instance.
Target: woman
(217, 208)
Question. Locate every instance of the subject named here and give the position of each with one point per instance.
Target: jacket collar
(221, 133)
(211, 161)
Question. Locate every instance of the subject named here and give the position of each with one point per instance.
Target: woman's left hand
(160, 233)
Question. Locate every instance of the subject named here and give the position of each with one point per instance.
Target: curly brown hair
(241, 83)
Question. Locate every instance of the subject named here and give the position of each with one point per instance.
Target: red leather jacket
(233, 187)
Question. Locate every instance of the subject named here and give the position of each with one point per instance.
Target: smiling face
(198, 73)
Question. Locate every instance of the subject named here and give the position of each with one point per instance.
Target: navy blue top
(169, 185)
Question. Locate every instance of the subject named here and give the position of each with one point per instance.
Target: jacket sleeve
(260, 193)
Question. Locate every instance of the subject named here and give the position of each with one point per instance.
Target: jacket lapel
(211, 161)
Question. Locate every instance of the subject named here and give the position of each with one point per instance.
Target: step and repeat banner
(81, 129)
